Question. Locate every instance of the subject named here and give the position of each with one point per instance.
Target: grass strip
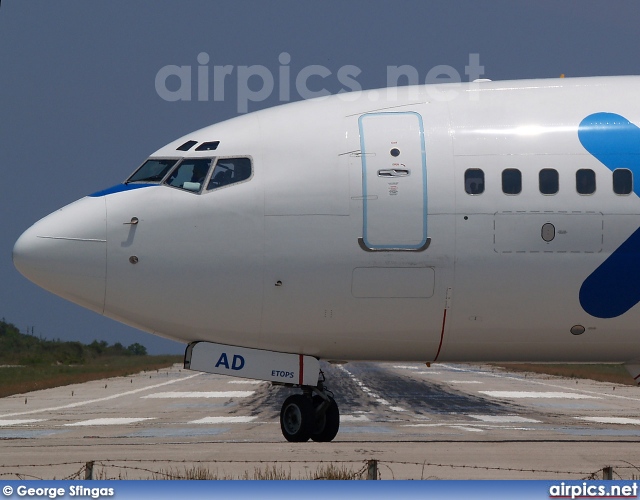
(602, 372)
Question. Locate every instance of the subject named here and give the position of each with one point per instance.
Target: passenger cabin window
(585, 181)
(190, 174)
(474, 181)
(622, 181)
(152, 171)
(548, 181)
(511, 181)
(230, 171)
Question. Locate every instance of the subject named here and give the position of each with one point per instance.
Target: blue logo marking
(237, 363)
(118, 189)
(612, 289)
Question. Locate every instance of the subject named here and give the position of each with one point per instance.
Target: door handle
(394, 172)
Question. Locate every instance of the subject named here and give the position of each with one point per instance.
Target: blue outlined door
(394, 182)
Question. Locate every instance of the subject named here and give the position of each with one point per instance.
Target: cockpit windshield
(195, 175)
(190, 175)
(152, 170)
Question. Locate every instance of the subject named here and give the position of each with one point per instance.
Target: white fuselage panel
(381, 230)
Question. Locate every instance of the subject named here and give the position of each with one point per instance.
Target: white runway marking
(463, 382)
(424, 425)
(453, 426)
(405, 367)
(396, 408)
(455, 368)
(249, 382)
(107, 398)
(212, 394)
(539, 395)
(504, 419)
(428, 425)
(4, 423)
(464, 428)
(475, 427)
(429, 373)
(224, 420)
(354, 418)
(611, 420)
(107, 421)
(537, 382)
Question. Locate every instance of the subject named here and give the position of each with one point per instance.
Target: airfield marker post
(88, 470)
(372, 470)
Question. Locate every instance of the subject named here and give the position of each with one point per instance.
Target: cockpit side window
(229, 171)
(190, 175)
(152, 170)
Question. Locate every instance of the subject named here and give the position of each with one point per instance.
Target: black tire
(327, 425)
(297, 418)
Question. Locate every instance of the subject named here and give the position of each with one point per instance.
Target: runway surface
(447, 421)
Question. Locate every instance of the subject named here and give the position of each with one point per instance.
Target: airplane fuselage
(370, 227)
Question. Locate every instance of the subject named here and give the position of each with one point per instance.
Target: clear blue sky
(79, 110)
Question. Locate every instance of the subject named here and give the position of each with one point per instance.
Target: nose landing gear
(297, 418)
(327, 419)
(313, 414)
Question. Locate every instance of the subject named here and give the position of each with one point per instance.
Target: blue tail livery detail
(611, 290)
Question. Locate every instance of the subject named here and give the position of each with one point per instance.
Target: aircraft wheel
(297, 418)
(327, 424)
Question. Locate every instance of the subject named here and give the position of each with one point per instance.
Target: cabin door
(394, 181)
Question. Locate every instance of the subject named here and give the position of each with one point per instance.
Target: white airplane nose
(66, 253)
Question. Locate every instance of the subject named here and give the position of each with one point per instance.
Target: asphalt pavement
(447, 421)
